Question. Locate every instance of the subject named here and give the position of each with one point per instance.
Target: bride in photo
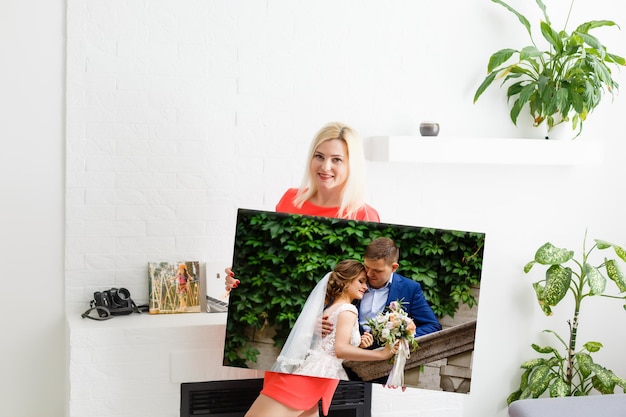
(311, 351)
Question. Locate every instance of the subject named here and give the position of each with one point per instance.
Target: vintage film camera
(115, 301)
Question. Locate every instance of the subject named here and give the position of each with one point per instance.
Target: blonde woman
(333, 186)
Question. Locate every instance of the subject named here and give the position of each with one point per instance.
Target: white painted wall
(180, 112)
(32, 352)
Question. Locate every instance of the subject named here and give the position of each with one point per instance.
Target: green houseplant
(562, 83)
(567, 371)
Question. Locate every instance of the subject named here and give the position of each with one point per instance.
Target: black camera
(115, 301)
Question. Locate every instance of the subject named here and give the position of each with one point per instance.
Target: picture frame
(176, 287)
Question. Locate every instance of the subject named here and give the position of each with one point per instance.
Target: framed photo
(175, 287)
(279, 258)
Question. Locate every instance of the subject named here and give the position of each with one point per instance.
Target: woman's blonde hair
(353, 194)
(343, 274)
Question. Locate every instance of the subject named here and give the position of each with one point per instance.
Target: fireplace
(232, 398)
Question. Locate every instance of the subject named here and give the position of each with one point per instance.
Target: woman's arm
(343, 348)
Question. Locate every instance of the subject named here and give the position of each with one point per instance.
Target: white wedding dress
(321, 359)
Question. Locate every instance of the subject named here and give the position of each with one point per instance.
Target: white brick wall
(180, 112)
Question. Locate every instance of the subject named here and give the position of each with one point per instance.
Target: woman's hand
(367, 340)
(392, 349)
(230, 281)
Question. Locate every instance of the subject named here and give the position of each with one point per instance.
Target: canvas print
(175, 287)
(415, 314)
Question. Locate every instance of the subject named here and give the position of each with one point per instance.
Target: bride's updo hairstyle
(344, 273)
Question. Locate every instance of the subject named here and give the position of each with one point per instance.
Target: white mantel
(447, 150)
(138, 362)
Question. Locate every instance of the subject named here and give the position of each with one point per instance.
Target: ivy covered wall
(279, 258)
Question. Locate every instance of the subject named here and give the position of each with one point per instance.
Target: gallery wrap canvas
(175, 287)
(279, 258)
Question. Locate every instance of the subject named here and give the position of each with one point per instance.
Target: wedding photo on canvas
(354, 300)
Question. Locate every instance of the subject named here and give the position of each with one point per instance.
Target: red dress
(299, 391)
(285, 205)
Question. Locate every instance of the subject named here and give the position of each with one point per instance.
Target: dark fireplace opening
(232, 398)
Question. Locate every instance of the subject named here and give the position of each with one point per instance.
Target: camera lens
(123, 294)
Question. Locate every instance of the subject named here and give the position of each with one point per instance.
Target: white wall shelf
(442, 150)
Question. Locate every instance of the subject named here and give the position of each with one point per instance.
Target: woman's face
(329, 166)
(357, 287)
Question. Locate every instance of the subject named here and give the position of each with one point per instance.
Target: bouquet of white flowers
(389, 326)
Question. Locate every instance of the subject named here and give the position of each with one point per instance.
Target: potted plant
(562, 83)
(567, 371)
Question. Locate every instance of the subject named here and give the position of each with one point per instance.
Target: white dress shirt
(373, 302)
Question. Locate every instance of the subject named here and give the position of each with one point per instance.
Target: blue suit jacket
(413, 301)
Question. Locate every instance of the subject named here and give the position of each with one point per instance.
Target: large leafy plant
(567, 371)
(564, 82)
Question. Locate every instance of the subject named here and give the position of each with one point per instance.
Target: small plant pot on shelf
(429, 129)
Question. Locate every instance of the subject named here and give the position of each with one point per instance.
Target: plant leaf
(601, 385)
(529, 52)
(584, 364)
(486, 83)
(603, 244)
(543, 9)
(593, 346)
(540, 380)
(514, 396)
(521, 18)
(552, 36)
(619, 251)
(614, 272)
(533, 363)
(597, 281)
(549, 254)
(558, 337)
(559, 389)
(587, 26)
(499, 58)
(557, 284)
(593, 42)
(605, 383)
(615, 58)
(524, 96)
(529, 266)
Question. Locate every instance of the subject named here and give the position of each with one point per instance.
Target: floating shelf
(442, 150)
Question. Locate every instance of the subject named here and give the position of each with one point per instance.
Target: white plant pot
(562, 131)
